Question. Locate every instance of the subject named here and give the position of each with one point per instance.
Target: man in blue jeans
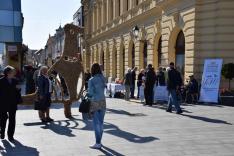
(174, 82)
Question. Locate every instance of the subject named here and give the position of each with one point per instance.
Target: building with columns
(183, 31)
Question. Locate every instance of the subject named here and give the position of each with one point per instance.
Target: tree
(228, 72)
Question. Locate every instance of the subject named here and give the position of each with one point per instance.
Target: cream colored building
(183, 31)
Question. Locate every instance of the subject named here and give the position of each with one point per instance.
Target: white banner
(160, 93)
(211, 80)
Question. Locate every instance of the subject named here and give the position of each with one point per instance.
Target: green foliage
(228, 71)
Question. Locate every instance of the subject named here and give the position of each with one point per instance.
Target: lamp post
(136, 31)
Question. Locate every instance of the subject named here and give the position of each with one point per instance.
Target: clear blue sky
(42, 17)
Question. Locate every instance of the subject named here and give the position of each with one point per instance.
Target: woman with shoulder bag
(96, 87)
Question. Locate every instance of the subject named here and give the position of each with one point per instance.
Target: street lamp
(135, 31)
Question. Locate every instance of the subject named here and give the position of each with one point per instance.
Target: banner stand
(209, 92)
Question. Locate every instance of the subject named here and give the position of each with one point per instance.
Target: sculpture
(69, 66)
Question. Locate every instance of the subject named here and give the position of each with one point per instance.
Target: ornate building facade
(183, 31)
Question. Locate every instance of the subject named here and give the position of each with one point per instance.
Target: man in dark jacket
(174, 82)
(149, 85)
(127, 84)
(9, 98)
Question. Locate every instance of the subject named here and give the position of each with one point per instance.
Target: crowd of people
(39, 80)
(10, 97)
(170, 77)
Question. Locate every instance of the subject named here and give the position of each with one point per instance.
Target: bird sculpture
(69, 66)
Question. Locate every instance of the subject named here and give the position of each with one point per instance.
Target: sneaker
(2, 136)
(168, 110)
(49, 120)
(179, 112)
(11, 139)
(44, 121)
(96, 146)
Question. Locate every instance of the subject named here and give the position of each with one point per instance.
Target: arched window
(145, 54)
(119, 9)
(111, 9)
(133, 55)
(123, 57)
(137, 2)
(114, 63)
(103, 62)
(92, 61)
(180, 52)
(160, 51)
(127, 5)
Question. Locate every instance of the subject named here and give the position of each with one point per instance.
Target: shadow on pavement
(123, 112)
(217, 121)
(116, 131)
(53, 106)
(62, 127)
(16, 148)
(110, 152)
(164, 107)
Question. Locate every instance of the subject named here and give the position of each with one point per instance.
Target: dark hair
(172, 64)
(150, 66)
(7, 70)
(96, 69)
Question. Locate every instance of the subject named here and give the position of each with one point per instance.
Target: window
(119, 9)
(127, 5)
(180, 52)
(160, 51)
(111, 10)
(145, 54)
(123, 56)
(133, 55)
(136, 2)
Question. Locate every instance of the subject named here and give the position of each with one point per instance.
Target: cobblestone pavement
(130, 129)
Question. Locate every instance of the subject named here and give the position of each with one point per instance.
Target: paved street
(130, 129)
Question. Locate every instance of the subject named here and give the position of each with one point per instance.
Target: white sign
(211, 80)
(160, 93)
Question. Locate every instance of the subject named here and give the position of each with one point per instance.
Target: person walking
(140, 81)
(127, 84)
(44, 92)
(96, 87)
(174, 82)
(133, 73)
(9, 97)
(149, 85)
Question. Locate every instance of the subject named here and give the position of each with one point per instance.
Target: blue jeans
(173, 100)
(98, 120)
